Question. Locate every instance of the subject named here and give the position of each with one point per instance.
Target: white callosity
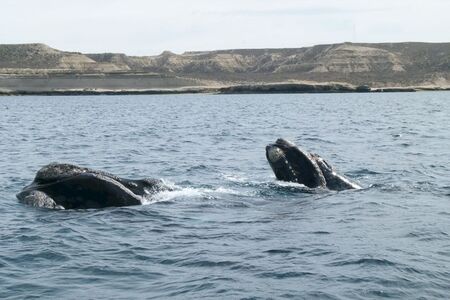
(275, 154)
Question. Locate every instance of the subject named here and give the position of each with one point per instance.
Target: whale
(67, 186)
(293, 164)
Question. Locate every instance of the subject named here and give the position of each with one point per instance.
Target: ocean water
(229, 229)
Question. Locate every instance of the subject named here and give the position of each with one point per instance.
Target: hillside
(375, 65)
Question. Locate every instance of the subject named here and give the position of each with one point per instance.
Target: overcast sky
(147, 27)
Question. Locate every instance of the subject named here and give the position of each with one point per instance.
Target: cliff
(375, 65)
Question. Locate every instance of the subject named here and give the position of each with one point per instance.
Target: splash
(180, 192)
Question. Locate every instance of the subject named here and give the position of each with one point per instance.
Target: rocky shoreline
(276, 88)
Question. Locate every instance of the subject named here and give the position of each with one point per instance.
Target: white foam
(289, 184)
(170, 195)
(235, 177)
(188, 192)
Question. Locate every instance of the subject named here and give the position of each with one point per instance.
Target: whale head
(290, 163)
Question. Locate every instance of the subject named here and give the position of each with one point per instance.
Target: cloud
(142, 27)
(297, 11)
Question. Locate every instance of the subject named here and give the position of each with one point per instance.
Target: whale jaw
(291, 163)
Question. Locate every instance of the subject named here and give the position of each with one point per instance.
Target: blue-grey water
(229, 229)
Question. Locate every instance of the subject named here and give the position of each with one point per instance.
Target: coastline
(272, 88)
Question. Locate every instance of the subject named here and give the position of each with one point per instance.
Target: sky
(148, 27)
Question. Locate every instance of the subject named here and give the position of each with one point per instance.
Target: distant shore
(273, 88)
(38, 69)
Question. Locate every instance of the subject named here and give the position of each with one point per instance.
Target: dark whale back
(73, 187)
(88, 190)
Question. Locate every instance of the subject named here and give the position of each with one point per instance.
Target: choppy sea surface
(229, 229)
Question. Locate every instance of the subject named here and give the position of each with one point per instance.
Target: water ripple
(228, 229)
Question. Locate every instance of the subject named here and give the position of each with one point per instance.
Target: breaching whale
(66, 186)
(290, 163)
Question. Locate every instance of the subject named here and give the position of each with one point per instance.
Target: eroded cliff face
(358, 59)
(389, 64)
(40, 58)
